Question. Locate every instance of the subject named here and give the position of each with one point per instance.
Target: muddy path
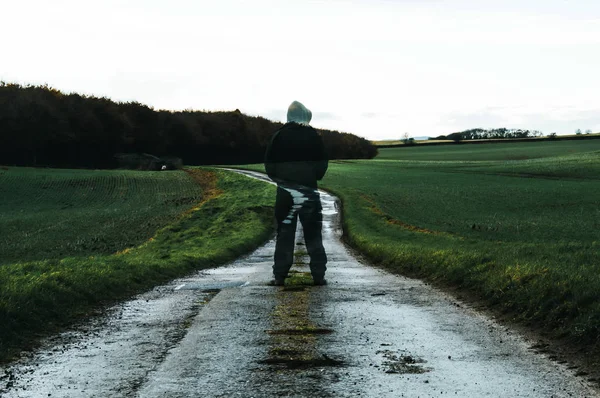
(226, 333)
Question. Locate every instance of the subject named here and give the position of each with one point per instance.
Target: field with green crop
(516, 223)
(523, 234)
(52, 213)
(70, 239)
(495, 151)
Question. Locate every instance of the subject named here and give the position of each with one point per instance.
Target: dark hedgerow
(41, 126)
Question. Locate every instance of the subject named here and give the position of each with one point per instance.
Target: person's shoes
(320, 282)
(277, 282)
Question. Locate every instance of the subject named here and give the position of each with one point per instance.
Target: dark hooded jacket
(296, 154)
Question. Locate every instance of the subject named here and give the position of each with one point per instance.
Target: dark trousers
(295, 202)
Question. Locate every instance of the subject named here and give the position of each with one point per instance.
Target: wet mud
(225, 332)
(294, 336)
(401, 362)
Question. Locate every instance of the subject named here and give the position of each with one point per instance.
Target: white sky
(375, 68)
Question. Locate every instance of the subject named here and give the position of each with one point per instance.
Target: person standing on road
(296, 159)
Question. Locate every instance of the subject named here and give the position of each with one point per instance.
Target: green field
(52, 213)
(523, 234)
(495, 151)
(71, 239)
(516, 223)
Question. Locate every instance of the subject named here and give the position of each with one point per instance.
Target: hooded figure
(298, 113)
(296, 153)
(296, 159)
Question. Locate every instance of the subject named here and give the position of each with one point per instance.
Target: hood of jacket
(298, 113)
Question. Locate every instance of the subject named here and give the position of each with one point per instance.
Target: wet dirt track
(225, 333)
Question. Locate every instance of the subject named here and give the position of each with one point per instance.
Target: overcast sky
(375, 68)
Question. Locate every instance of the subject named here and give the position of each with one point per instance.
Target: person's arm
(322, 158)
(270, 164)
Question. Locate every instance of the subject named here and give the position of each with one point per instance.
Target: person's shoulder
(286, 127)
(305, 127)
(282, 129)
(293, 128)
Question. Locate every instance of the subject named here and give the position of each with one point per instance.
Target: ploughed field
(518, 223)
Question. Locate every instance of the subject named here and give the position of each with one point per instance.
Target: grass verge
(521, 235)
(38, 297)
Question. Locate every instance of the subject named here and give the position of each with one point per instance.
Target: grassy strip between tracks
(40, 296)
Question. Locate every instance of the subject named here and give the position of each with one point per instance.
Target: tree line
(41, 126)
(491, 134)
